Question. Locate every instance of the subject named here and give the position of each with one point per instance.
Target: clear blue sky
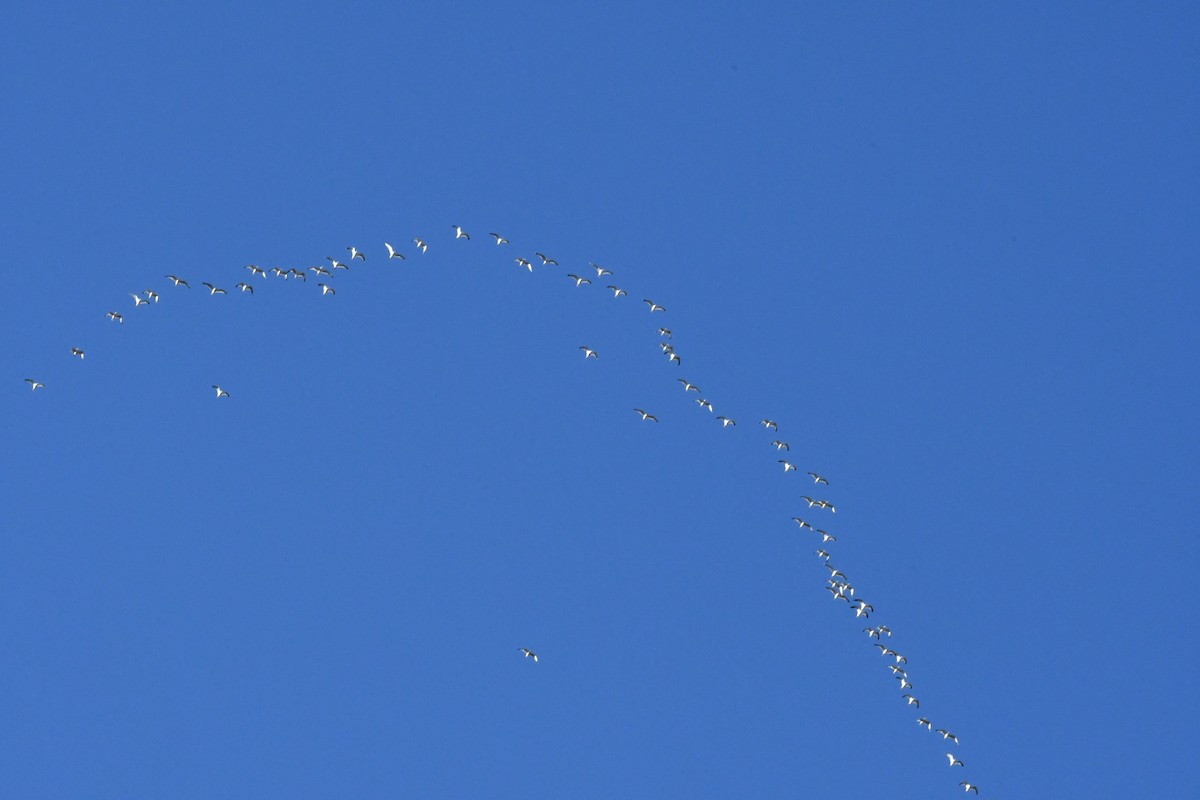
(951, 249)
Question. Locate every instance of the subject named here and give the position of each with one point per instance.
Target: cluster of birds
(837, 583)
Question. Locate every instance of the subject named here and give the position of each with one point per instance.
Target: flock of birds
(837, 583)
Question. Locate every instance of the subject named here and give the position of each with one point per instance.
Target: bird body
(499, 239)
(326, 289)
(770, 424)
(588, 352)
(617, 292)
(601, 271)
(420, 243)
(954, 762)
(646, 415)
(547, 260)
(817, 478)
(178, 281)
(688, 386)
(528, 653)
(653, 306)
(787, 465)
(245, 287)
(75, 351)
(115, 317)
(725, 422)
(704, 404)
(220, 392)
(213, 289)
(393, 252)
(34, 385)
(459, 233)
(578, 280)
(356, 253)
(525, 262)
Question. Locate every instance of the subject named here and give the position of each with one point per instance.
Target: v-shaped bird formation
(838, 584)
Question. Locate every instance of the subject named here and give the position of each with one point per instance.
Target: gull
(947, 735)
(420, 243)
(904, 684)
(499, 239)
(75, 351)
(827, 537)
(725, 422)
(326, 289)
(872, 634)
(673, 356)
(588, 352)
(356, 253)
(926, 723)
(601, 271)
(320, 270)
(646, 415)
(808, 500)
(138, 300)
(178, 281)
(882, 648)
(884, 629)
(895, 670)
(968, 787)
(546, 260)
(299, 275)
(704, 404)
(220, 392)
(912, 701)
(817, 478)
(578, 280)
(213, 289)
(528, 653)
(338, 265)
(887, 651)
(954, 762)
(664, 332)
(801, 523)
(34, 385)
(862, 610)
(823, 554)
(827, 504)
(688, 386)
(151, 295)
(280, 273)
(666, 347)
(770, 425)
(459, 233)
(617, 291)
(653, 306)
(245, 287)
(787, 465)
(834, 571)
(115, 317)
(393, 252)
(837, 593)
(256, 270)
(781, 445)
(524, 262)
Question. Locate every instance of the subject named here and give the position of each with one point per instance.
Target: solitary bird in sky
(954, 762)
(459, 233)
(138, 300)
(245, 287)
(968, 787)
(525, 262)
(817, 478)
(547, 260)
(220, 392)
(420, 243)
(601, 271)
(770, 425)
(356, 253)
(646, 415)
(499, 239)
(725, 422)
(781, 445)
(325, 289)
(617, 291)
(653, 306)
(115, 317)
(688, 386)
(588, 352)
(528, 653)
(704, 404)
(787, 465)
(75, 351)
(393, 252)
(178, 281)
(213, 289)
(664, 332)
(578, 280)
(34, 385)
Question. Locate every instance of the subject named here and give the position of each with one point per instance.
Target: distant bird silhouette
(213, 289)
(326, 289)
(178, 281)
(220, 392)
(34, 385)
(115, 317)
(393, 252)
(459, 233)
(499, 239)
(954, 762)
(588, 352)
(420, 243)
(617, 292)
(547, 260)
(356, 253)
(578, 280)
(653, 306)
(646, 415)
(75, 351)
(528, 653)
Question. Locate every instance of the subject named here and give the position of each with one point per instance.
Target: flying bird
(299, 275)
(827, 537)
(588, 352)
(420, 243)
(770, 424)
(912, 701)
(151, 295)
(688, 386)
(528, 653)
(325, 289)
(34, 385)
(138, 300)
(954, 762)
(320, 270)
(725, 422)
(499, 239)
(968, 787)
(601, 271)
(75, 351)
(926, 723)
(283, 273)
(646, 415)
(245, 287)
(787, 465)
(823, 554)
(653, 306)
(393, 252)
(256, 270)
(664, 332)
(578, 280)
(115, 317)
(817, 478)
(213, 289)
(801, 523)
(704, 404)
(904, 684)
(947, 735)
(547, 260)
(617, 291)
(220, 392)
(178, 281)
(525, 262)
(459, 233)
(781, 445)
(356, 253)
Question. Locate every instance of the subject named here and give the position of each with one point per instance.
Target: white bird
(319, 271)
(666, 347)
(864, 609)
(245, 287)
(459, 233)
(528, 653)
(220, 392)
(578, 280)
(787, 465)
(75, 351)
(817, 478)
(34, 385)
(823, 554)
(664, 332)
(499, 239)
(525, 262)
(213, 289)
(356, 253)
(904, 684)
(673, 356)
(299, 275)
(781, 445)
(601, 271)
(547, 260)
(115, 317)
(947, 735)
(178, 281)
(801, 523)
(393, 252)
(325, 289)
(338, 265)
(926, 723)
(646, 415)
(884, 629)
(138, 300)
(725, 422)
(420, 243)
(827, 537)
(968, 787)
(954, 762)
(280, 273)
(653, 306)
(256, 270)
(588, 352)
(895, 670)
(770, 425)
(912, 701)
(617, 292)
(688, 386)
(704, 404)
(151, 295)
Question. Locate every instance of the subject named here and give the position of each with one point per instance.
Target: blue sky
(950, 249)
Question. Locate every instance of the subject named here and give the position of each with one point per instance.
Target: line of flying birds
(837, 583)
